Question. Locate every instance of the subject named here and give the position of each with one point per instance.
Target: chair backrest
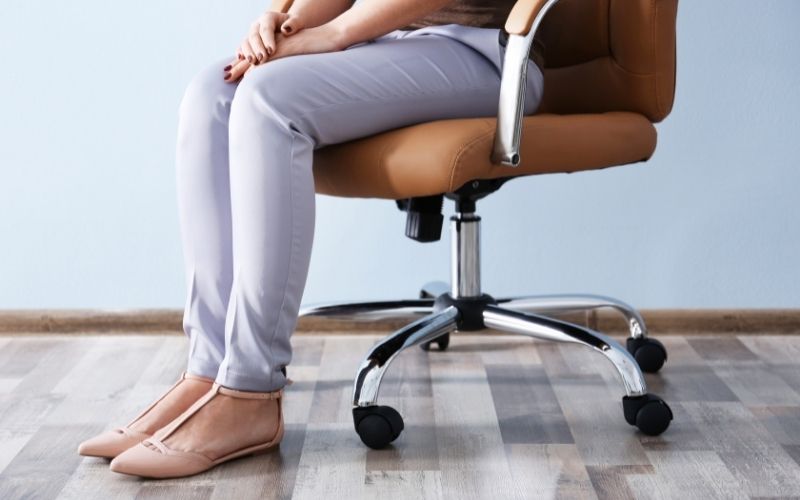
(610, 55)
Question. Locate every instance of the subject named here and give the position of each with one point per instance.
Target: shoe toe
(108, 444)
(143, 461)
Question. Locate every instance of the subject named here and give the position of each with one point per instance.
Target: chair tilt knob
(424, 217)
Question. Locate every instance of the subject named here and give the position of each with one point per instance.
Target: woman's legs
(204, 209)
(204, 206)
(281, 112)
(245, 183)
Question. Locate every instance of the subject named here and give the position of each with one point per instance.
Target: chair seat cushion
(441, 156)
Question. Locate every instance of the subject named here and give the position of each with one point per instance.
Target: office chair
(610, 74)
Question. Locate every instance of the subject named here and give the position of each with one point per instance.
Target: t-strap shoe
(111, 443)
(152, 458)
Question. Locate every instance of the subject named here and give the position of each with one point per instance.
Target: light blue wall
(88, 215)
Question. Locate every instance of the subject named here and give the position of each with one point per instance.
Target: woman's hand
(260, 40)
(317, 40)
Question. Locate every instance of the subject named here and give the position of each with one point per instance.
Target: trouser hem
(246, 382)
(203, 367)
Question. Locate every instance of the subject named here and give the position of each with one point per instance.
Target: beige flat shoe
(111, 443)
(141, 460)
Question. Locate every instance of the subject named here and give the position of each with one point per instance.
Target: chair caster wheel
(442, 342)
(649, 413)
(649, 353)
(377, 426)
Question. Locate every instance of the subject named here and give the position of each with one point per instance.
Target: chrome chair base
(434, 317)
(442, 310)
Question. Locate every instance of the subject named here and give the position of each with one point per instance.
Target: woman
(323, 73)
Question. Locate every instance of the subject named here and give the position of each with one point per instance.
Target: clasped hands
(279, 34)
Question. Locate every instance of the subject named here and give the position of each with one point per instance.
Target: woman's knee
(207, 96)
(274, 91)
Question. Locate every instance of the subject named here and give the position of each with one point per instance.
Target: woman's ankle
(172, 404)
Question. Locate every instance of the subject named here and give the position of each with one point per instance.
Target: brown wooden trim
(90, 321)
(659, 321)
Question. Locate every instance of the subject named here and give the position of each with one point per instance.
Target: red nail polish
(228, 67)
(227, 76)
(288, 29)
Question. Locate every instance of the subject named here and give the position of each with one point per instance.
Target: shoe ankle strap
(165, 431)
(248, 394)
(163, 395)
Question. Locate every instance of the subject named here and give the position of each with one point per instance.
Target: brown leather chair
(610, 74)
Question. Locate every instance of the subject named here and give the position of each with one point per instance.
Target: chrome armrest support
(512, 93)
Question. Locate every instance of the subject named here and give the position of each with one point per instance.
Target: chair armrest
(521, 26)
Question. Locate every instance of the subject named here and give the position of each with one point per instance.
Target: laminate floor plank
(472, 455)
(773, 349)
(50, 450)
(21, 354)
(686, 475)
(300, 394)
(402, 485)
(94, 471)
(550, 471)
(691, 383)
(54, 364)
(760, 464)
(501, 417)
(722, 348)
(332, 464)
(9, 384)
(333, 391)
(270, 476)
(610, 482)
(782, 422)
(527, 408)
(757, 385)
(586, 400)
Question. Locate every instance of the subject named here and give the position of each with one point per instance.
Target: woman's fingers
(268, 39)
(291, 26)
(247, 50)
(260, 42)
(259, 50)
(230, 66)
(268, 25)
(237, 70)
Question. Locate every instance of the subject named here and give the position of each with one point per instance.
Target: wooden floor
(492, 418)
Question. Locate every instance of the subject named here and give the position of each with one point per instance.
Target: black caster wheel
(442, 342)
(649, 413)
(649, 353)
(377, 426)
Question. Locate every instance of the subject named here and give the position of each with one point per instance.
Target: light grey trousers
(245, 183)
